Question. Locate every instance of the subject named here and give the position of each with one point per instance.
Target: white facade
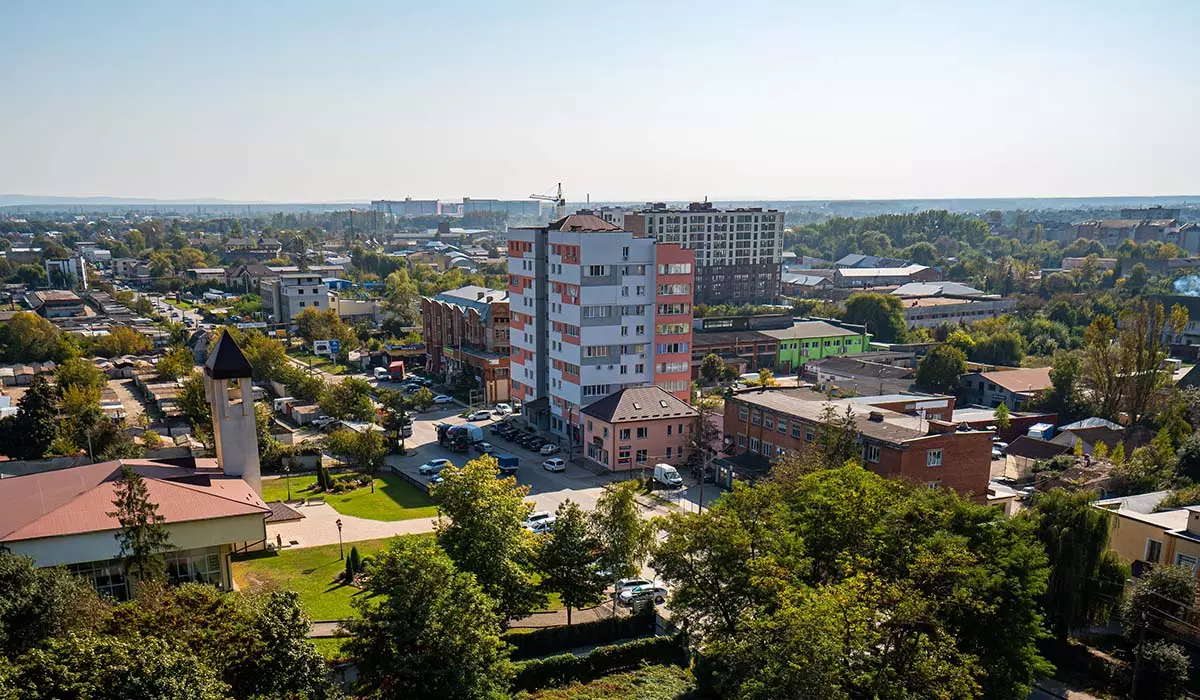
(235, 429)
(291, 293)
(722, 237)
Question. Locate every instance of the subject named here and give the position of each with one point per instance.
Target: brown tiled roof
(1033, 448)
(583, 222)
(1019, 380)
(78, 500)
(641, 403)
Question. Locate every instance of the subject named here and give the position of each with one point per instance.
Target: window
(570, 331)
(597, 270)
(569, 368)
(672, 367)
(641, 330)
(590, 427)
(596, 311)
(768, 422)
(754, 444)
(743, 412)
(668, 452)
(624, 369)
(932, 485)
(625, 251)
(795, 429)
(673, 309)
(596, 351)
(781, 426)
(641, 289)
(675, 269)
(669, 428)
(756, 417)
(606, 431)
(933, 458)
(674, 289)
(643, 433)
(302, 305)
(596, 390)
(871, 453)
(639, 368)
(671, 348)
(624, 433)
(1153, 551)
(741, 440)
(624, 330)
(623, 455)
(1186, 560)
(673, 328)
(640, 456)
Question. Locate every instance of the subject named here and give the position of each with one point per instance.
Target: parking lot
(546, 489)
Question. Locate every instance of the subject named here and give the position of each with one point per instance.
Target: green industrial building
(815, 339)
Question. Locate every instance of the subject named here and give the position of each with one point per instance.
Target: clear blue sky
(304, 101)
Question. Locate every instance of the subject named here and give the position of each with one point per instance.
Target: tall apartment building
(407, 206)
(467, 329)
(285, 296)
(738, 251)
(595, 309)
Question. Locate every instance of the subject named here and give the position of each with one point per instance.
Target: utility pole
(1137, 664)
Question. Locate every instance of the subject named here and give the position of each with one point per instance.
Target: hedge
(560, 670)
(272, 461)
(552, 640)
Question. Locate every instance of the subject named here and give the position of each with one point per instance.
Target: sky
(620, 101)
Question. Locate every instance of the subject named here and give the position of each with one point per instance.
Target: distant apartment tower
(512, 207)
(286, 296)
(595, 309)
(67, 273)
(738, 251)
(408, 206)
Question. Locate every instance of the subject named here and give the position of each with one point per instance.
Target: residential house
(1144, 536)
(130, 268)
(289, 294)
(906, 436)
(636, 428)
(801, 285)
(207, 274)
(1090, 432)
(1013, 387)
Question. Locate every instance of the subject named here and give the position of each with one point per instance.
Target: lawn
(394, 498)
(648, 683)
(318, 361)
(309, 572)
(330, 647)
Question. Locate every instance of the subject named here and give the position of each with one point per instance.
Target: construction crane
(560, 203)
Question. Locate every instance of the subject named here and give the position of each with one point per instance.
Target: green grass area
(330, 647)
(185, 305)
(648, 683)
(394, 498)
(318, 361)
(310, 572)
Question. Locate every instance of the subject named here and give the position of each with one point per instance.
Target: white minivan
(667, 475)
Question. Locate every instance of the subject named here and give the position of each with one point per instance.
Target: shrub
(1164, 671)
(550, 640)
(568, 668)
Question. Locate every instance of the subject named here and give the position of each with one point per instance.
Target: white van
(667, 475)
(381, 373)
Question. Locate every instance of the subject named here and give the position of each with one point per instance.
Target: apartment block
(285, 296)
(738, 251)
(467, 329)
(903, 436)
(595, 309)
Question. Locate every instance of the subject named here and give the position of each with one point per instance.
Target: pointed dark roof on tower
(226, 361)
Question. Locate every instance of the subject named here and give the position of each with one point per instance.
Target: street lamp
(341, 554)
(287, 475)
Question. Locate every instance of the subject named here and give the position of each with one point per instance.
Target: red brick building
(903, 436)
(467, 330)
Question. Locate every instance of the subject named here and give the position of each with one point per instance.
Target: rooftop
(80, 499)
(881, 271)
(583, 223)
(1141, 507)
(932, 289)
(1020, 380)
(639, 403)
(226, 361)
(893, 427)
(810, 329)
(55, 296)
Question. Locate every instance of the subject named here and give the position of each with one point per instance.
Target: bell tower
(227, 375)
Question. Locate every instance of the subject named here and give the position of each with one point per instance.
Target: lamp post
(341, 554)
(287, 476)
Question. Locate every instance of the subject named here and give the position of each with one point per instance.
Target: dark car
(535, 443)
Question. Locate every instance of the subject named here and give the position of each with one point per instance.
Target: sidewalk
(319, 527)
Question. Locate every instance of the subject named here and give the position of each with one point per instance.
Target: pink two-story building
(637, 427)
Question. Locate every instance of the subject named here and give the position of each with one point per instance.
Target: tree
(79, 373)
(27, 337)
(1082, 583)
(565, 560)
(838, 440)
(1001, 416)
(115, 668)
(1163, 671)
(30, 433)
(143, 536)
(175, 364)
(349, 399)
(423, 398)
(711, 367)
(766, 377)
(365, 450)
(941, 369)
(623, 535)
(481, 530)
(1001, 348)
(123, 340)
(843, 584)
(316, 324)
(1063, 397)
(1143, 328)
(402, 297)
(193, 402)
(882, 314)
(41, 603)
(427, 630)
(1162, 592)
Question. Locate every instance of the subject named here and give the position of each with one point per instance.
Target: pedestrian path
(319, 527)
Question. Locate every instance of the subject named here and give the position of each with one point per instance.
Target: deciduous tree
(566, 560)
(882, 314)
(941, 368)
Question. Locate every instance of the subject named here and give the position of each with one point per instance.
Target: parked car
(539, 518)
(656, 593)
(433, 466)
(542, 527)
(321, 421)
(550, 449)
(479, 415)
(554, 464)
(626, 584)
(999, 449)
(442, 399)
(503, 409)
(484, 448)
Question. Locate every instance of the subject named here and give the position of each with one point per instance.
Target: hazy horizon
(304, 102)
